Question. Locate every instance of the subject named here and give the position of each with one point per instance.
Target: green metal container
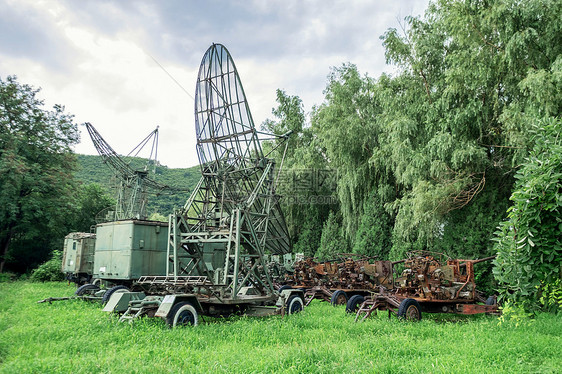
(129, 249)
(78, 256)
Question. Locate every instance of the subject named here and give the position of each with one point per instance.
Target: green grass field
(77, 337)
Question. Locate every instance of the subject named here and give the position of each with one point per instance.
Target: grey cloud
(180, 31)
(25, 33)
(270, 30)
(287, 44)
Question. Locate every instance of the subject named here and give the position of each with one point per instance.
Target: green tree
(92, 200)
(347, 130)
(306, 237)
(290, 117)
(303, 212)
(460, 111)
(36, 182)
(436, 145)
(332, 240)
(430, 153)
(158, 217)
(374, 236)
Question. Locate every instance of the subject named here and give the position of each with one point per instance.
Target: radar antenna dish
(233, 217)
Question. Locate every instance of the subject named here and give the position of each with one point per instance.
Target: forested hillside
(92, 169)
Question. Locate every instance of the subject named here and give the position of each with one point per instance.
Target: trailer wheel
(283, 288)
(294, 304)
(107, 295)
(491, 300)
(353, 303)
(182, 314)
(86, 289)
(409, 310)
(339, 297)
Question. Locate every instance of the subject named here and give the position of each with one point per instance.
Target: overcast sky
(97, 58)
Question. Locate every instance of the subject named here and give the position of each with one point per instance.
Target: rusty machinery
(339, 279)
(429, 283)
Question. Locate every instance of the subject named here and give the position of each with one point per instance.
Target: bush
(529, 244)
(551, 296)
(50, 270)
(7, 277)
(514, 314)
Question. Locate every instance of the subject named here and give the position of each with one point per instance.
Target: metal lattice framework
(233, 216)
(134, 185)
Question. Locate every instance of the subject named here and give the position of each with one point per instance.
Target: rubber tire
(491, 300)
(96, 282)
(353, 303)
(337, 295)
(405, 307)
(83, 290)
(107, 295)
(294, 305)
(182, 314)
(283, 288)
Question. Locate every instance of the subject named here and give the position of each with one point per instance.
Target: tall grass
(77, 337)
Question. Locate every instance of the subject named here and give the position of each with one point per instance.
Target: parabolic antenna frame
(226, 135)
(233, 216)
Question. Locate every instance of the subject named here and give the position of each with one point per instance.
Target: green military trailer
(127, 244)
(78, 257)
(125, 250)
(128, 249)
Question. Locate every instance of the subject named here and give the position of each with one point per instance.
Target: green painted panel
(78, 253)
(127, 250)
(149, 248)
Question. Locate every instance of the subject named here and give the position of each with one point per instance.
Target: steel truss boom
(134, 185)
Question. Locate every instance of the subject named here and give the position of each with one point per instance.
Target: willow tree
(459, 116)
(348, 129)
(305, 199)
(439, 142)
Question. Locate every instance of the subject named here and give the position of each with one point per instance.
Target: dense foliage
(306, 182)
(50, 270)
(36, 183)
(426, 157)
(91, 200)
(529, 243)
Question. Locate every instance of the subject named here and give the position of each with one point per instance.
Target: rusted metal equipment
(337, 280)
(343, 273)
(317, 293)
(428, 284)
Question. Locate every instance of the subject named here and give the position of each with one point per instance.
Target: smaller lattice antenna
(133, 184)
